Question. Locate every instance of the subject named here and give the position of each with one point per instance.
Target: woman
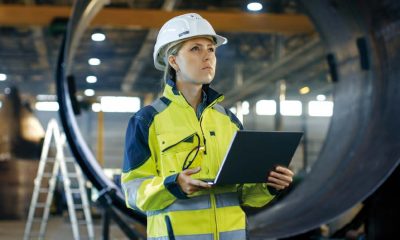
(180, 140)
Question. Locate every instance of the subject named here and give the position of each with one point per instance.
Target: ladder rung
(40, 205)
(78, 206)
(83, 238)
(35, 235)
(47, 174)
(69, 159)
(51, 159)
(82, 222)
(75, 190)
(43, 190)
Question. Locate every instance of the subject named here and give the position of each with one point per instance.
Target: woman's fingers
(189, 185)
(285, 178)
(196, 185)
(280, 178)
(278, 181)
(191, 171)
(200, 184)
(284, 170)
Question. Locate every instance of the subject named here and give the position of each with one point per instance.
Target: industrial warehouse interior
(73, 73)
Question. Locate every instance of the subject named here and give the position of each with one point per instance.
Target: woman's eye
(211, 49)
(195, 48)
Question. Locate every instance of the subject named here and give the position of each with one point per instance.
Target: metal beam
(293, 62)
(40, 45)
(17, 15)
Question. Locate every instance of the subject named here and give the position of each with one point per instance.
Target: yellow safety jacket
(166, 137)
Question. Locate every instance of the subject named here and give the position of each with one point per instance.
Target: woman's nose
(207, 56)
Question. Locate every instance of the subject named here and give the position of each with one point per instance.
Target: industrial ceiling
(278, 43)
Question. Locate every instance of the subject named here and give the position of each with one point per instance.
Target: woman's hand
(189, 185)
(280, 178)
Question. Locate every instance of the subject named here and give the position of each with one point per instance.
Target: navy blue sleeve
(171, 184)
(137, 149)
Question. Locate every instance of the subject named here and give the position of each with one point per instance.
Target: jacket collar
(172, 93)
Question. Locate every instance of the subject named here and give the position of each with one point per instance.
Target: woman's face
(195, 61)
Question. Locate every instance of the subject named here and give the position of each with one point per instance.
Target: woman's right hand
(190, 185)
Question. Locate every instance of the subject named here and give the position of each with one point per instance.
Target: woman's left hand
(280, 178)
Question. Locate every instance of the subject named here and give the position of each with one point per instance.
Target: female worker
(180, 139)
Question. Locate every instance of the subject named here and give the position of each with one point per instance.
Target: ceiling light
(254, 6)
(321, 97)
(98, 37)
(47, 106)
(96, 107)
(119, 104)
(3, 77)
(89, 92)
(94, 61)
(91, 79)
(304, 90)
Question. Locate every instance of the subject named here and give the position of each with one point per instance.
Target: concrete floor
(58, 228)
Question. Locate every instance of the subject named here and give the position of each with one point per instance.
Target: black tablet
(252, 154)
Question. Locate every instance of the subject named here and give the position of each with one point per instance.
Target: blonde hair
(171, 50)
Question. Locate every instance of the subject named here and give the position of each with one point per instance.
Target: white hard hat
(179, 28)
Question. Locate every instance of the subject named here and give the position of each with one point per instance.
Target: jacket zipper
(214, 207)
(201, 119)
(202, 134)
(201, 127)
(212, 195)
(173, 145)
(170, 231)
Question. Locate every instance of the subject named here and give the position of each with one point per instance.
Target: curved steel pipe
(362, 146)
(78, 146)
(361, 149)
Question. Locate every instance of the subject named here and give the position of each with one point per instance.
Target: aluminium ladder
(69, 174)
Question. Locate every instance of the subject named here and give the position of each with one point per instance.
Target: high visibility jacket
(164, 138)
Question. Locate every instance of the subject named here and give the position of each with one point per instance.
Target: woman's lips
(208, 67)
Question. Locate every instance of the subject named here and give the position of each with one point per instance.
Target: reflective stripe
(158, 238)
(220, 109)
(130, 188)
(195, 203)
(195, 237)
(159, 105)
(186, 237)
(233, 235)
(227, 199)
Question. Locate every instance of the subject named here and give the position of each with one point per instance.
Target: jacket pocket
(175, 148)
(170, 230)
(175, 142)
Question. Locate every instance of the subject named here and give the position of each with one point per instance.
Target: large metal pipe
(361, 148)
(77, 144)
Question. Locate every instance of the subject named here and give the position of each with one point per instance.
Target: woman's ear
(172, 62)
